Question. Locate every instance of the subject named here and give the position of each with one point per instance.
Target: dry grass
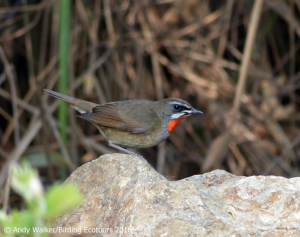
(237, 61)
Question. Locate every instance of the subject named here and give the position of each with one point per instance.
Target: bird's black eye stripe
(180, 108)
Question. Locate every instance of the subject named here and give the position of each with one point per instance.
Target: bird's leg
(125, 150)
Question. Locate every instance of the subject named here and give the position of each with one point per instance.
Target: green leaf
(17, 219)
(61, 199)
(25, 181)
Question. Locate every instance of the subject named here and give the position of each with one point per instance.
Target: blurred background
(110, 50)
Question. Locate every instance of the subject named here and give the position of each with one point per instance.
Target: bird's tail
(81, 106)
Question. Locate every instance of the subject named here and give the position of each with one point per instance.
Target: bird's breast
(173, 123)
(132, 140)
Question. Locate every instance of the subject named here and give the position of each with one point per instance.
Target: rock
(124, 196)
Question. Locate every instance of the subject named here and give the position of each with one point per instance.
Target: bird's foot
(139, 156)
(126, 151)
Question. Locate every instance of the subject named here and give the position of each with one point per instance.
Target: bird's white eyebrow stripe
(176, 103)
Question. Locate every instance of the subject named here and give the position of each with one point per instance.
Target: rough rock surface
(124, 196)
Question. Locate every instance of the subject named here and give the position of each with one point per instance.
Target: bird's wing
(128, 117)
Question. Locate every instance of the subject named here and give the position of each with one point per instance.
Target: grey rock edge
(124, 196)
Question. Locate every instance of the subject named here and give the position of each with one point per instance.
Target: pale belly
(131, 140)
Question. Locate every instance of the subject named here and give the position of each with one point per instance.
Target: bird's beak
(194, 111)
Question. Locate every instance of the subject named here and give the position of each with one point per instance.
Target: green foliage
(17, 219)
(24, 178)
(42, 207)
(64, 42)
(61, 199)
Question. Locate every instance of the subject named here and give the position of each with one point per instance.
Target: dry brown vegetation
(237, 61)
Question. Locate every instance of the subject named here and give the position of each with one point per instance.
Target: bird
(132, 123)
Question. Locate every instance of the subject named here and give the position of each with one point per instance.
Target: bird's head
(173, 110)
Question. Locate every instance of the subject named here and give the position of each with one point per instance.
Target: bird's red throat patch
(173, 123)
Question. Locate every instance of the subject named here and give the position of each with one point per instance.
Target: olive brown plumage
(132, 123)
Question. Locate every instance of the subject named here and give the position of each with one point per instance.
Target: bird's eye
(176, 107)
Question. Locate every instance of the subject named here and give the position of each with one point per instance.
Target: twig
(44, 37)
(20, 102)
(5, 114)
(30, 134)
(93, 67)
(4, 154)
(247, 53)
(227, 17)
(24, 30)
(78, 132)
(188, 74)
(108, 21)
(35, 7)
(97, 146)
(6, 191)
(55, 131)
(281, 158)
(158, 82)
(23, 105)
(3, 75)
(194, 26)
(283, 10)
(13, 94)
(292, 56)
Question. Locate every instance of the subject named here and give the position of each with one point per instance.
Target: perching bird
(132, 123)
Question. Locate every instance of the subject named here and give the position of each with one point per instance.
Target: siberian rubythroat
(132, 123)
